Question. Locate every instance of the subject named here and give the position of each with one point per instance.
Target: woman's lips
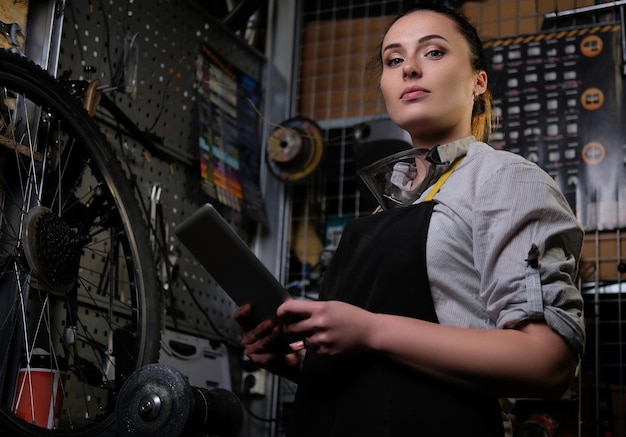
(413, 93)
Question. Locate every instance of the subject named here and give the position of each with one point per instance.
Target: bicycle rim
(79, 300)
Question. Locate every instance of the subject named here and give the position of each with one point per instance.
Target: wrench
(11, 30)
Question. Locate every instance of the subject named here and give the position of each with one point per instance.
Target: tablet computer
(229, 260)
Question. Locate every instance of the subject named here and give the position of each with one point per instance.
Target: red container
(39, 396)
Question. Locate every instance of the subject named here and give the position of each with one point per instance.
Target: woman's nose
(410, 69)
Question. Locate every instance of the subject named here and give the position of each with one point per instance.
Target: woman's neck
(434, 141)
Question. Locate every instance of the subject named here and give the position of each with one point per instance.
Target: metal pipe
(584, 10)
(623, 32)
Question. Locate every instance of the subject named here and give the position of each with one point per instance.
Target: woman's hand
(264, 345)
(328, 328)
(530, 361)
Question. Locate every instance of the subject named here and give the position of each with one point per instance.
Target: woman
(431, 312)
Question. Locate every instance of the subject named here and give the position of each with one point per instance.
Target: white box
(204, 365)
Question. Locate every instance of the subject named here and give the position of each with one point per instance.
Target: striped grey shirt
(494, 208)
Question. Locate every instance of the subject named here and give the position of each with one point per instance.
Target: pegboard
(159, 44)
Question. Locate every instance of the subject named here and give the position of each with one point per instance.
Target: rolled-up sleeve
(527, 244)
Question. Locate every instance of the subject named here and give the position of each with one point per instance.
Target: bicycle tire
(79, 295)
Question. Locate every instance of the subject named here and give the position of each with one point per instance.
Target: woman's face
(427, 81)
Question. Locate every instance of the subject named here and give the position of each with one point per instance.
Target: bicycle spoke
(73, 298)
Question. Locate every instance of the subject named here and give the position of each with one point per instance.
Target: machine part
(538, 425)
(158, 400)
(203, 362)
(295, 149)
(155, 400)
(52, 250)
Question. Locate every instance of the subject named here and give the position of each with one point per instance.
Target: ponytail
(481, 116)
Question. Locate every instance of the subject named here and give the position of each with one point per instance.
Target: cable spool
(295, 149)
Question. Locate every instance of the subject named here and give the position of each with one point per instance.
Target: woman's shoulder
(486, 151)
(486, 167)
(487, 159)
(486, 171)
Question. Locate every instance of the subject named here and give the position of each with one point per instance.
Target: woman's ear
(481, 82)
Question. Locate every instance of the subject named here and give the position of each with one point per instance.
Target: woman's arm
(530, 361)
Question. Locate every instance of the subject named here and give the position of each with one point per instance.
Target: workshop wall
(158, 43)
(145, 55)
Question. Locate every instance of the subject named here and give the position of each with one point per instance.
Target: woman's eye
(434, 53)
(394, 61)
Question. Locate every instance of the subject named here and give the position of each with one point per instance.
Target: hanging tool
(11, 31)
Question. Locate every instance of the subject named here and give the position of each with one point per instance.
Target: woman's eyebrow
(422, 40)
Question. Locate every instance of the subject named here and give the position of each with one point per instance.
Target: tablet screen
(229, 260)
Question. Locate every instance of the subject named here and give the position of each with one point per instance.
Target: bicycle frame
(43, 33)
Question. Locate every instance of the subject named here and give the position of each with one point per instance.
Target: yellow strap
(442, 179)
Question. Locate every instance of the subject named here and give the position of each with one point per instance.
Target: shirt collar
(446, 153)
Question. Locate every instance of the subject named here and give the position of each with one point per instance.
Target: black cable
(224, 338)
(161, 109)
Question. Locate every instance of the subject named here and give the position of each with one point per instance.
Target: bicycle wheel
(79, 299)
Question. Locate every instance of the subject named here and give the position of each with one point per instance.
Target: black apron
(380, 265)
